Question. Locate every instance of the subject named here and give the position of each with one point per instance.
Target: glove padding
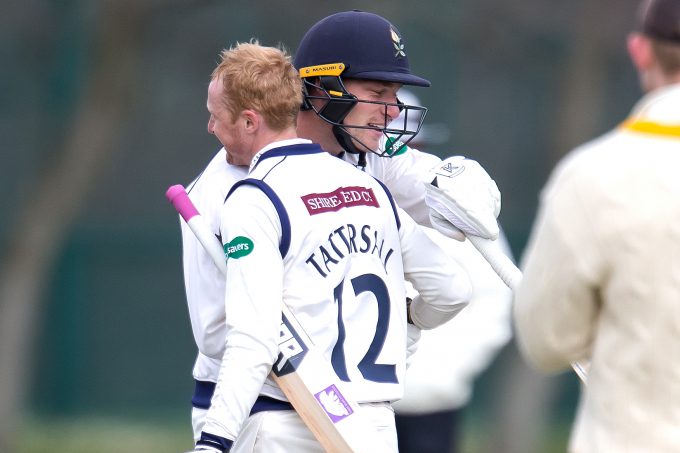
(463, 199)
(445, 227)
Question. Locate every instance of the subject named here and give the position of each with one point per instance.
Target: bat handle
(177, 195)
(179, 198)
(581, 370)
(500, 262)
(511, 276)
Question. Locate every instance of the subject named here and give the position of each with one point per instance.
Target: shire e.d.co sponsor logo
(238, 247)
(342, 197)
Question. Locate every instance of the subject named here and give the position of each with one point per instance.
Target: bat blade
(305, 376)
(320, 398)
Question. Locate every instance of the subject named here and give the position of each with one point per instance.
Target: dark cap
(369, 46)
(660, 19)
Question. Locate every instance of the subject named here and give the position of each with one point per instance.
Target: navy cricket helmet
(355, 45)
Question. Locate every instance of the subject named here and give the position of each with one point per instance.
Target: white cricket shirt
(326, 240)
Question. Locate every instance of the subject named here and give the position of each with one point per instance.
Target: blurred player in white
(374, 71)
(602, 266)
(314, 233)
(441, 374)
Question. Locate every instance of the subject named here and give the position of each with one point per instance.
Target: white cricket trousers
(285, 432)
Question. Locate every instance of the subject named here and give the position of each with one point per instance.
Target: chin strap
(345, 140)
(362, 160)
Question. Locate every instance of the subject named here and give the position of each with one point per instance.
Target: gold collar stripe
(649, 127)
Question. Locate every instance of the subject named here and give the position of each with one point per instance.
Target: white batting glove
(445, 227)
(204, 449)
(463, 199)
(413, 334)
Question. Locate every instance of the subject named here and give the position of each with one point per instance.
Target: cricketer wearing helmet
(352, 65)
(331, 246)
(357, 61)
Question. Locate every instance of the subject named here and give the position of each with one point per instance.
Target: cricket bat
(304, 375)
(511, 276)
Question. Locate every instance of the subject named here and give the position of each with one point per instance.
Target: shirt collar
(278, 144)
(660, 105)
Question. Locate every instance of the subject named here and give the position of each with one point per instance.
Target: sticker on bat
(334, 403)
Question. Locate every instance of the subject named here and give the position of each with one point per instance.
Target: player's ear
(251, 120)
(640, 51)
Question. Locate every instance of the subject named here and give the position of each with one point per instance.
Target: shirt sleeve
(203, 280)
(405, 175)
(204, 284)
(251, 233)
(555, 307)
(443, 286)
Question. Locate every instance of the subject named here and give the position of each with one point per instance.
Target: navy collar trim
(290, 150)
(302, 148)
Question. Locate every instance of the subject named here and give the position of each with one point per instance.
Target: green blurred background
(102, 107)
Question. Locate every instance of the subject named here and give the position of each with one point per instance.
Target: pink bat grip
(180, 200)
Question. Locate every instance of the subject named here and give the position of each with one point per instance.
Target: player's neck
(271, 136)
(313, 128)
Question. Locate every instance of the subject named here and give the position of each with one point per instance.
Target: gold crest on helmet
(398, 45)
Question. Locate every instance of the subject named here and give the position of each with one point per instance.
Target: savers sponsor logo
(238, 247)
(342, 197)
